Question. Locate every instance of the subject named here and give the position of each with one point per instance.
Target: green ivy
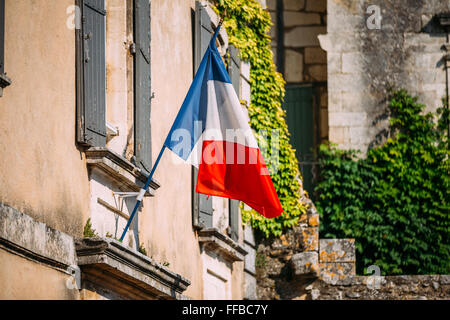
(142, 249)
(395, 201)
(88, 231)
(247, 25)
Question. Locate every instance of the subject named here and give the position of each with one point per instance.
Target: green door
(298, 103)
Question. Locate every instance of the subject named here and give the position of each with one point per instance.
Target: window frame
(83, 55)
(141, 129)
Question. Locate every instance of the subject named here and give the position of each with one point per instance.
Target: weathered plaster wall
(119, 70)
(362, 63)
(42, 172)
(166, 221)
(166, 224)
(119, 115)
(24, 280)
(30, 251)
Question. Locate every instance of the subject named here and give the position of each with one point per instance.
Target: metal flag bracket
(119, 198)
(139, 195)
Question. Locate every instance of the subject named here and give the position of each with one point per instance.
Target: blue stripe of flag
(194, 108)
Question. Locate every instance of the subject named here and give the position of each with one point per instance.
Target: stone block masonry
(336, 259)
(297, 24)
(295, 72)
(294, 5)
(303, 22)
(293, 267)
(285, 266)
(363, 63)
(414, 287)
(290, 268)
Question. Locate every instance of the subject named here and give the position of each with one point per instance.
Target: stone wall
(302, 22)
(338, 279)
(426, 287)
(297, 52)
(370, 52)
(362, 62)
(287, 265)
(337, 258)
(299, 266)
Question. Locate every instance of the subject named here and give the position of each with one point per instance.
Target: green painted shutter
(142, 87)
(234, 69)
(92, 86)
(202, 215)
(298, 103)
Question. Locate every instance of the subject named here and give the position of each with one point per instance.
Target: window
(4, 80)
(234, 69)
(91, 78)
(142, 85)
(202, 204)
(91, 74)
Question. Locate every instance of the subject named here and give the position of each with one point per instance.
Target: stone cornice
(123, 172)
(212, 239)
(108, 263)
(22, 235)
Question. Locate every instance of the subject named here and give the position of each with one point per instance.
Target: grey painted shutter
(2, 36)
(202, 205)
(142, 129)
(93, 65)
(4, 80)
(234, 70)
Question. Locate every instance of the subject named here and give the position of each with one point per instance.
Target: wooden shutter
(202, 205)
(2, 36)
(234, 70)
(142, 85)
(298, 103)
(4, 80)
(92, 74)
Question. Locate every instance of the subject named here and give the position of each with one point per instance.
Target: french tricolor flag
(212, 133)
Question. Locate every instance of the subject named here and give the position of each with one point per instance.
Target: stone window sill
(108, 263)
(129, 177)
(212, 239)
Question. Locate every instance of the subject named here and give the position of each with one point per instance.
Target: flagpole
(142, 193)
(144, 190)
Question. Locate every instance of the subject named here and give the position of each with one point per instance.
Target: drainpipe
(444, 22)
(280, 36)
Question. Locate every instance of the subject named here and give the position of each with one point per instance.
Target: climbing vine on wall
(394, 201)
(247, 25)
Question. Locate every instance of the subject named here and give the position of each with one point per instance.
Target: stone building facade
(374, 45)
(351, 52)
(359, 49)
(79, 79)
(287, 271)
(303, 63)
